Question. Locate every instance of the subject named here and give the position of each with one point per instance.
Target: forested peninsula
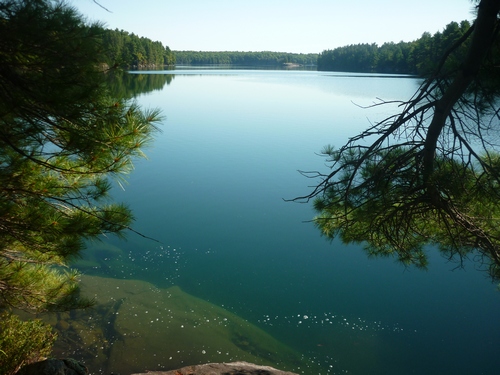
(127, 50)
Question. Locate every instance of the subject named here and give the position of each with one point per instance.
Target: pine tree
(430, 174)
(62, 136)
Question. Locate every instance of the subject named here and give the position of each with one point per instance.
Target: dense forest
(417, 57)
(128, 50)
(125, 49)
(265, 58)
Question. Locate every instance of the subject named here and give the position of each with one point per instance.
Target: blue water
(213, 193)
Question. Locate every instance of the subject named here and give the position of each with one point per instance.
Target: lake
(213, 193)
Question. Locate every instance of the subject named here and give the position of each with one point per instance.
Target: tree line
(418, 57)
(127, 50)
(264, 58)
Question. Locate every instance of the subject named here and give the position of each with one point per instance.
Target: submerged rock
(136, 327)
(234, 368)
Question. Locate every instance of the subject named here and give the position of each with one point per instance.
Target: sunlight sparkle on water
(330, 319)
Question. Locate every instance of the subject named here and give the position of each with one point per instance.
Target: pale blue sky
(300, 26)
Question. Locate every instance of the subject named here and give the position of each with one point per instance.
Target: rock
(234, 368)
(54, 366)
(62, 325)
(161, 329)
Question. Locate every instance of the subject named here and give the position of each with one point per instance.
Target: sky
(297, 26)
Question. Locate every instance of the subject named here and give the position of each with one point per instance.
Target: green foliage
(62, 136)
(418, 57)
(32, 285)
(22, 342)
(264, 58)
(125, 49)
(390, 210)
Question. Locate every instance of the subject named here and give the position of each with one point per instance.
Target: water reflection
(127, 86)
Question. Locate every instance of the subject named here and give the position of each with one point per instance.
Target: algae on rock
(136, 327)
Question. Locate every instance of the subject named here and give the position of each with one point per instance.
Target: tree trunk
(484, 29)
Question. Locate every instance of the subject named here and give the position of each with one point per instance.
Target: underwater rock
(99, 257)
(152, 329)
(54, 366)
(62, 325)
(234, 368)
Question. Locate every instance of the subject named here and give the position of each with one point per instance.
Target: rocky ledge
(71, 367)
(233, 368)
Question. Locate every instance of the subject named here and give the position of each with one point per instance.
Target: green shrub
(22, 342)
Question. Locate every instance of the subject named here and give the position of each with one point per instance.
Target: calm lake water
(212, 192)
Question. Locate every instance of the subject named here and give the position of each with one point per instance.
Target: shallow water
(212, 193)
